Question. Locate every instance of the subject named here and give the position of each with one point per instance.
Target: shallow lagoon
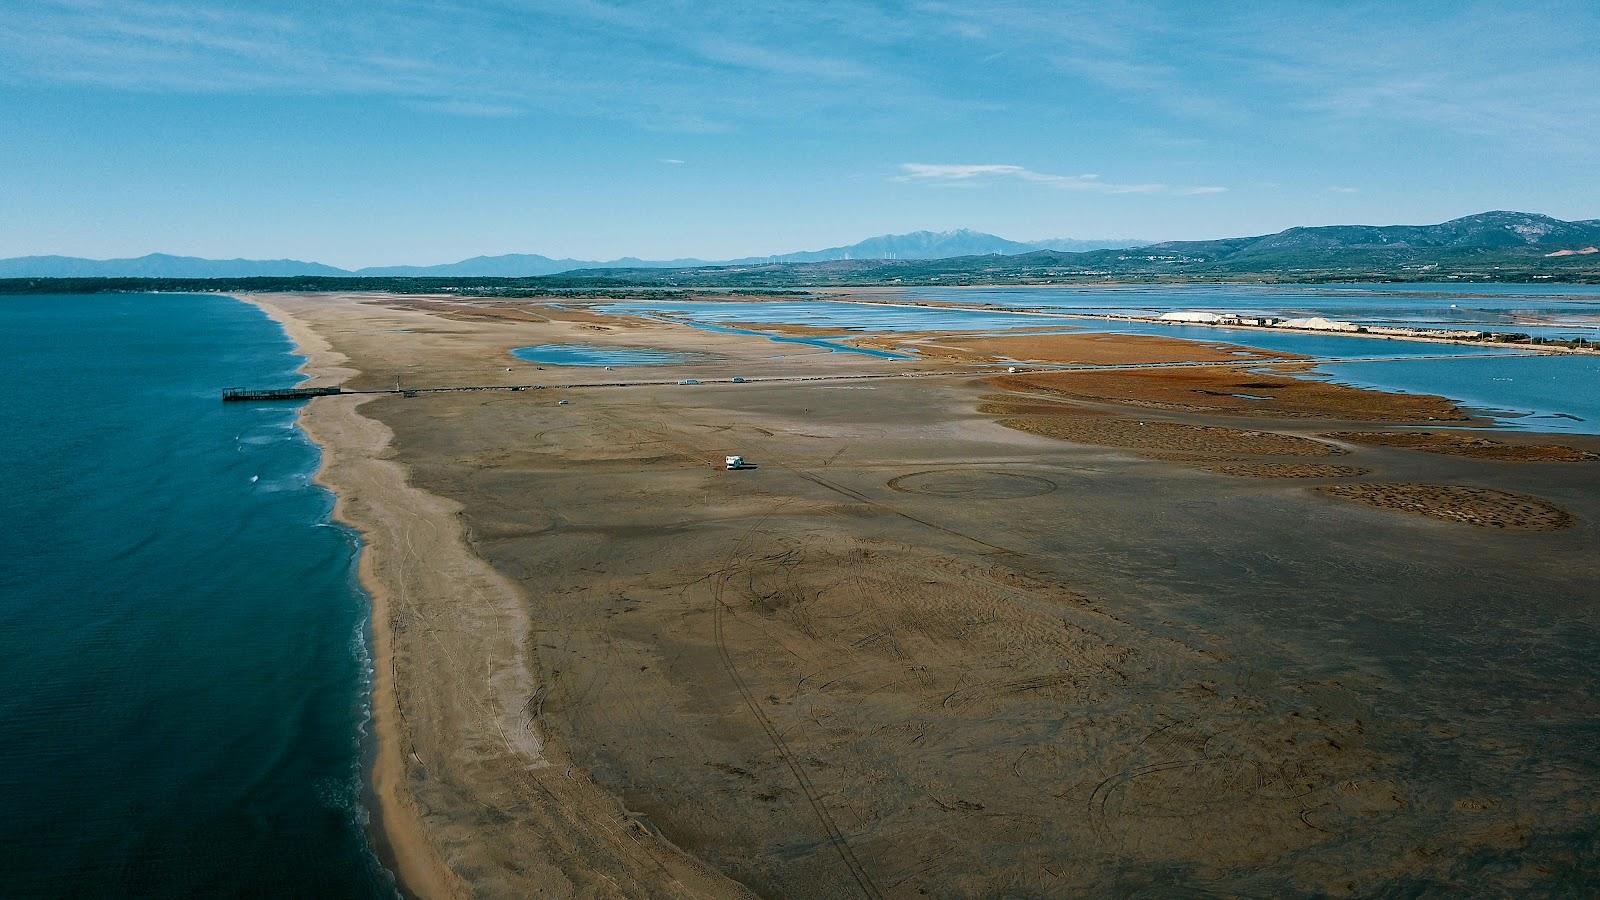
(824, 343)
(591, 355)
(1331, 346)
(822, 314)
(873, 318)
(1418, 305)
(1537, 391)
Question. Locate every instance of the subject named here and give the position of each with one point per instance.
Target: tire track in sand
(836, 837)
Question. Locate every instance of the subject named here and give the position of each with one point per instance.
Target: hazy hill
(933, 245)
(1493, 244)
(158, 265)
(1074, 245)
(1486, 244)
(521, 265)
(915, 245)
(1498, 234)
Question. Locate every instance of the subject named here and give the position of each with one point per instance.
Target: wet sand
(1456, 503)
(1522, 448)
(920, 650)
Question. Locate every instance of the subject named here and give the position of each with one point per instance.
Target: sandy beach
(415, 558)
(974, 634)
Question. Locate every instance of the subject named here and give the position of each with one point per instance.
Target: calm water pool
(824, 343)
(591, 355)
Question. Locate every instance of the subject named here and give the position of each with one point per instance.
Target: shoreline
(472, 799)
(413, 860)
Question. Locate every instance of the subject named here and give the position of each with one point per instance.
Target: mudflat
(1059, 348)
(1476, 445)
(1235, 390)
(954, 634)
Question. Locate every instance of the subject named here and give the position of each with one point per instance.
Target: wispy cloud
(1517, 74)
(968, 173)
(972, 175)
(780, 61)
(1344, 189)
(1520, 76)
(649, 63)
(670, 162)
(470, 108)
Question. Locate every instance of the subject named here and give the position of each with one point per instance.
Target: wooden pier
(236, 395)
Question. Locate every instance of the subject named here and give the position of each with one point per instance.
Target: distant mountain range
(937, 245)
(915, 245)
(158, 265)
(1502, 234)
(1493, 245)
(514, 265)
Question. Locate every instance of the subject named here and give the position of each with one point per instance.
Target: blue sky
(391, 131)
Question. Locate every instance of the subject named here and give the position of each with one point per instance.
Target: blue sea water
(183, 674)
